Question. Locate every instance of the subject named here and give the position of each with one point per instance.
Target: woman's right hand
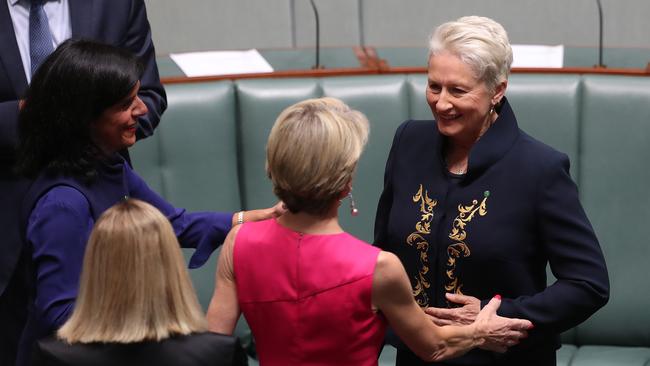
(260, 214)
(499, 333)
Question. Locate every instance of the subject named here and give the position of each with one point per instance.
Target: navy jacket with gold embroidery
(493, 230)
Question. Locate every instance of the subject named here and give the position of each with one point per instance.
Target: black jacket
(493, 230)
(200, 349)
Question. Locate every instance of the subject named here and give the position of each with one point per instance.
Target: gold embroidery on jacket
(416, 238)
(460, 249)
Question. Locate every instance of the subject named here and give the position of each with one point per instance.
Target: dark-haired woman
(80, 110)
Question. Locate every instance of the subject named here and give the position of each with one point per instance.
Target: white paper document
(221, 62)
(537, 56)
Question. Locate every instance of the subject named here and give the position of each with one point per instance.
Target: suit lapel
(9, 53)
(81, 17)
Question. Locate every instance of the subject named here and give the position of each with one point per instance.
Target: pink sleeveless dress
(307, 298)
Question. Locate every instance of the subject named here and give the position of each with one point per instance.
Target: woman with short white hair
(136, 303)
(473, 206)
(311, 293)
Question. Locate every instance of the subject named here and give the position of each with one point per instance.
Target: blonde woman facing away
(136, 304)
(311, 293)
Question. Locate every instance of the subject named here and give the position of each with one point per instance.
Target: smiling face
(459, 101)
(115, 128)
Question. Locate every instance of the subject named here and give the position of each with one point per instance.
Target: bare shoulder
(229, 243)
(388, 266)
(225, 266)
(390, 279)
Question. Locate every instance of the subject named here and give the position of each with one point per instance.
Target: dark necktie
(40, 37)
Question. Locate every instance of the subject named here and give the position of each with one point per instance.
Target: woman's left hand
(456, 316)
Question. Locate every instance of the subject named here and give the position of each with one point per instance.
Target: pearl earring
(353, 207)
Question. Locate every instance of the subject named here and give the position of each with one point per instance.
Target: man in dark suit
(118, 22)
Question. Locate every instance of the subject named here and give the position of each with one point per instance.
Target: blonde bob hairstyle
(134, 286)
(312, 153)
(479, 42)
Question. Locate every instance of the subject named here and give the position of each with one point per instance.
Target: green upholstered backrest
(615, 173)
(548, 108)
(192, 158)
(417, 87)
(199, 152)
(259, 104)
(382, 98)
(145, 158)
(211, 143)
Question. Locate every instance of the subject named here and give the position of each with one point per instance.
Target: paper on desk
(221, 62)
(537, 56)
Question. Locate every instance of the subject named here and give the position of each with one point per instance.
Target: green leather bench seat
(192, 157)
(609, 355)
(382, 98)
(615, 171)
(260, 101)
(208, 154)
(565, 354)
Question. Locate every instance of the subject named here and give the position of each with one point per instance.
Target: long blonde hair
(134, 285)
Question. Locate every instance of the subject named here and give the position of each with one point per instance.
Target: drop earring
(353, 207)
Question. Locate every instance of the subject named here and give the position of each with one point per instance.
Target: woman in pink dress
(313, 294)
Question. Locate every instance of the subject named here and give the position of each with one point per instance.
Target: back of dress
(307, 298)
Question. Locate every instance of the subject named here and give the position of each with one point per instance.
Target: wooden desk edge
(273, 75)
(380, 68)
